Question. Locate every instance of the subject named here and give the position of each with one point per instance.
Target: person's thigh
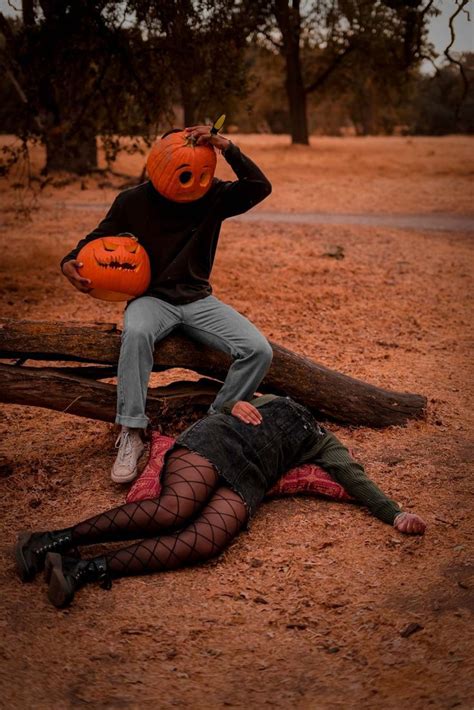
(188, 481)
(215, 527)
(151, 316)
(217, 324)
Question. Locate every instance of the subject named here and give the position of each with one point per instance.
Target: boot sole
(48, 566)
(25, 572)
(60, 591)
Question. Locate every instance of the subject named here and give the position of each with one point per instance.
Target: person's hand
(71, 272)
(247, 413)
(203, 136)
(410, 524)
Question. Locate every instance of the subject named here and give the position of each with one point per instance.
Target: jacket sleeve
(228, 406)
(335, 458)
(251, 187)
(257, 402)
(113, 223)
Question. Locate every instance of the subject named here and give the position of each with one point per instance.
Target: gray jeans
(209, 321)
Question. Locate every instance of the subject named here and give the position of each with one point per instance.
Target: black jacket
(181, 238)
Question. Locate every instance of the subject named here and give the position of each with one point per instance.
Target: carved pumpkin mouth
(114, 264)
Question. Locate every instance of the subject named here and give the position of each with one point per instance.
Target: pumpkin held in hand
(180, 170)
(118, 267)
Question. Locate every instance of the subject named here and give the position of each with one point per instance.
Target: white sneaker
(130, 448)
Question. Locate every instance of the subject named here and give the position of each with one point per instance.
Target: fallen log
(51, 388)
(327, 393)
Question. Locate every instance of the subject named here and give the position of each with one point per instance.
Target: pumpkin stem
(190, 142)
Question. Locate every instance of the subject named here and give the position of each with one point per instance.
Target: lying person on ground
(214, 477)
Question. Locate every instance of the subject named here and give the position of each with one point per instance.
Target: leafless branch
(461, 4)
(324, 76)
(270, 39)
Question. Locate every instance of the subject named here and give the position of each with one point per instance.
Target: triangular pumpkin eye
(132, 249)
(109, 246)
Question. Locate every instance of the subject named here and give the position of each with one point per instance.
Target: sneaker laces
(124, 445)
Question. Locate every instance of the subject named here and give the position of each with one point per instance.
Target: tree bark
(289, 23)
(28, 12)
(327, 393)
(51, 389)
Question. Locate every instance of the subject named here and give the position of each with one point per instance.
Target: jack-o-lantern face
(118, 267)
(180, 170)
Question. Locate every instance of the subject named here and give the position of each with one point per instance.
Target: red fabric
(307, 478)
(148, 484)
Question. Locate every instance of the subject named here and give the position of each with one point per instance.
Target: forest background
(77, 70)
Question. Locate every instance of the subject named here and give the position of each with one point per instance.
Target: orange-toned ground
(305, 610)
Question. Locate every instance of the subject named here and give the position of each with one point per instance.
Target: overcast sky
(439, 29)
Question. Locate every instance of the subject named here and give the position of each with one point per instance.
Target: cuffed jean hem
(135, 422)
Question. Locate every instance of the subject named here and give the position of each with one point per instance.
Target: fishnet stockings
(188, 482)
(210, 533)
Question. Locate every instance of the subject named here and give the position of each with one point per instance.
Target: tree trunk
(327, 393)
(28, 12)
(289, 21)
(188, 101)
(50, 388)
(297, 102)
(75, 153)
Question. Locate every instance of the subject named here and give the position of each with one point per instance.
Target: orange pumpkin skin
(118, 267)
(180, 170)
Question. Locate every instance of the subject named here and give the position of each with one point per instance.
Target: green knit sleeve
(335, 458)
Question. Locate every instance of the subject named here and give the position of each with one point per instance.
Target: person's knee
(172, 510)
(263, 353)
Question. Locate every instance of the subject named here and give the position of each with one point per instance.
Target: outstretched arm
(335, 458)
(251, 187)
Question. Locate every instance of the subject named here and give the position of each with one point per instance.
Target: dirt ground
(306, 609)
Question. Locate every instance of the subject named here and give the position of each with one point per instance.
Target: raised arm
(252, 186)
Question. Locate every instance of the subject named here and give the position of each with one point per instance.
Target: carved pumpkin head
(180, 170)
(118, 267)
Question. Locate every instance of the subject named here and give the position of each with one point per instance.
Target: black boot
(31, 550)
(67, 574)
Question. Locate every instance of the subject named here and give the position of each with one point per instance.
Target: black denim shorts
(248, 458)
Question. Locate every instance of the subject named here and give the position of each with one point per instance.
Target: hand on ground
(410, 524)
(247, 413)
(71, 272)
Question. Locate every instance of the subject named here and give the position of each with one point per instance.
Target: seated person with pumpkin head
(174, 218)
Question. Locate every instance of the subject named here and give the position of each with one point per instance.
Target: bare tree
(78, 71)
(339, 34)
